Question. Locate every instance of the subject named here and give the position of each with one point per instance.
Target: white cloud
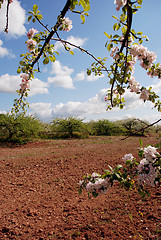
(157, 87)
(4, 51)
(74, 40)
(95, 105)
(42, 109)
(89, 78)
(11, 83)
(80, 76)
(38, 87)
(95, 108)
(62, 76)
(17, 19)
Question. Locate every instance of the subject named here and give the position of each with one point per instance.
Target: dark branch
(63, 13)
(6, 28)
(148, 125)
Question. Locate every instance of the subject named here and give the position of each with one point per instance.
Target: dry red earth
(39, 197)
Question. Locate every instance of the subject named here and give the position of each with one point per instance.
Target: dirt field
(39, 197)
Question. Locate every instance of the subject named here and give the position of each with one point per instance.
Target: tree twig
(148, 125)
(7, 18)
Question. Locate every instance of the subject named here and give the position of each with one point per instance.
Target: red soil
(39, 197)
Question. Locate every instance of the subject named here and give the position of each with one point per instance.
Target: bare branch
(63, 13)
(148, 125)
(7, 17)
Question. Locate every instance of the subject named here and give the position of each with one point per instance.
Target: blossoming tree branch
(125, 47)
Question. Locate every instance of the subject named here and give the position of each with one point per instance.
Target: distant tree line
(19, 129)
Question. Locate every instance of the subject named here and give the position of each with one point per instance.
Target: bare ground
(39, 197)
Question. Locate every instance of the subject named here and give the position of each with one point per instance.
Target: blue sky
(62, 88)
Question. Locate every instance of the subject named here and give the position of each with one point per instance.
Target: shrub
(69, 127)
(19, 128)
(105, 127)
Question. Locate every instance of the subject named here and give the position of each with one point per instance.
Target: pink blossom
(141, 165)
(128, 156)
(133, 85)
(150, 153)
(144, 95)
(67, 24)
(31, 44)
(120, 3)
(90, 187)
(25, 82)
(149, 178)
(146, 57)
(113, 51)
(24, 76)
(31, 32)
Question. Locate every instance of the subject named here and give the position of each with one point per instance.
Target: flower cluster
(31, 44)
(31, 33)
(114, 53)
(25, 82)
(133, 85)
(147, 171)
(66, 24)
(95, 184)
(120, 3)
(128, 157)
(155, 71)
(144, 55)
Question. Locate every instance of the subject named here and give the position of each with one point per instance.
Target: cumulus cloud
(62, 76)
(4, 51)
(17, 19)
(11, 83)
(95, 108)
(43, 110)
(83, 76)
(157, 87)
(74, 40)
(95, 105)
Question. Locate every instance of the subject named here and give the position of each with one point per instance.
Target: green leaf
(19, 70)
(29, 18)
(140, 142)
(139, 2)
(71, 52)
(115, 26)
(82, 18)
(110, 45)
(39, 16)
(87, 7)
(52, 58)
(139, 33)
(88, 72)
(107, 35)
(35, 7)
(46, 61)
(114, 17)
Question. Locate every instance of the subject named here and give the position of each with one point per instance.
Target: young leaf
(35, 7)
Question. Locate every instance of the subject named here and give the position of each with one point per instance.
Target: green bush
(69, 127)
(105, 127)
(19, 128)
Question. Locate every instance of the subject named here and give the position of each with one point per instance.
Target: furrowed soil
(39, 198)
